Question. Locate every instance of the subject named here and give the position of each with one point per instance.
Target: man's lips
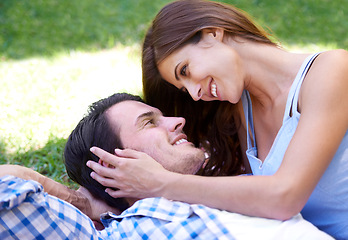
(180, 139)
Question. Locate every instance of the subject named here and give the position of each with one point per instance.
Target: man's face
(144, 128)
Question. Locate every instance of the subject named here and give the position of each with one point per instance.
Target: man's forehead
(129, 111)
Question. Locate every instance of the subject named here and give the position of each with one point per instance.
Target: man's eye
(183, 70)
(150, 122)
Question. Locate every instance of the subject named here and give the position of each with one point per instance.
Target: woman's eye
(183, 89)
(183, 70)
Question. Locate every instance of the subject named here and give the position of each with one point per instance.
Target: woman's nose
(195, 91)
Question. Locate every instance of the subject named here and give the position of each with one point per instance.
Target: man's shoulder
(157, 218)
(14, 190)
(158, 207)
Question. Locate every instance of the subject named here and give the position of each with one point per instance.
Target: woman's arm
(323, 105)
(138, 175)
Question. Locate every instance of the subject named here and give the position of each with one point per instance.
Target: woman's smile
(213, 89)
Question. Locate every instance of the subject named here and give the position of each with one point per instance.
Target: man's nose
(175, 124)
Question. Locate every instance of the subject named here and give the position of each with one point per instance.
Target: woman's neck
(270, 70)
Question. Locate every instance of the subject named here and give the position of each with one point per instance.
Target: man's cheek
(149, 149)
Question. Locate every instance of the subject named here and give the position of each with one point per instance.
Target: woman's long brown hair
(212, 125)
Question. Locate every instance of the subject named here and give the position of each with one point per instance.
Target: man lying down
(32, 206)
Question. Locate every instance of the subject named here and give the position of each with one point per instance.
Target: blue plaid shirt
(159, 218)
(27, 212)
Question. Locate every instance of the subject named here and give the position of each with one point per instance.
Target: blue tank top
(327, 207)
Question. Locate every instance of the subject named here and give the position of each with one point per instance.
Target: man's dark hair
(94, 130)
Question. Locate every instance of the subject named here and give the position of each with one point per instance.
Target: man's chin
(202, 162)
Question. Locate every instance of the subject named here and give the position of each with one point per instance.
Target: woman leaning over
(256, 108)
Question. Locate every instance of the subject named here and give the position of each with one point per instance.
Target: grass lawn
(42, 100)
(57, 57)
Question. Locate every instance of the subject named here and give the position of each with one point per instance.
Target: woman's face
(210, 70)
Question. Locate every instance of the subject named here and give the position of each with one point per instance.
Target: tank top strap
(248, 113)
(291, 104)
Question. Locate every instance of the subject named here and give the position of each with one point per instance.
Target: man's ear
(209, 34)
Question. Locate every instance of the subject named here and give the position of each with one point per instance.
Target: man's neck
(131, 201)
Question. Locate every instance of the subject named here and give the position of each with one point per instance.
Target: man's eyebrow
(144, 115)
(175, 72)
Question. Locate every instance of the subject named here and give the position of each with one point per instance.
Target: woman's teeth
(213, 90)
(180, 141)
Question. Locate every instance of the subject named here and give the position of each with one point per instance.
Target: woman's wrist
(171, 181)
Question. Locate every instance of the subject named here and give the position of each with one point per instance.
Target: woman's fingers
(134, 173)
(116, 193)
(105, 181)
(128, 153)
(106, 172)
(104, 156)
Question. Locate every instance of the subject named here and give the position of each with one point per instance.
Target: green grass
(46, 160)
(57, 57)
(46, 27)
(309, 24)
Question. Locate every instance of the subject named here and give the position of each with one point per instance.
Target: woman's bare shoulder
(337, 58)
(327, 78)
(331, 65)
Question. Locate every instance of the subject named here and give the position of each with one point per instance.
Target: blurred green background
(57, 57)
